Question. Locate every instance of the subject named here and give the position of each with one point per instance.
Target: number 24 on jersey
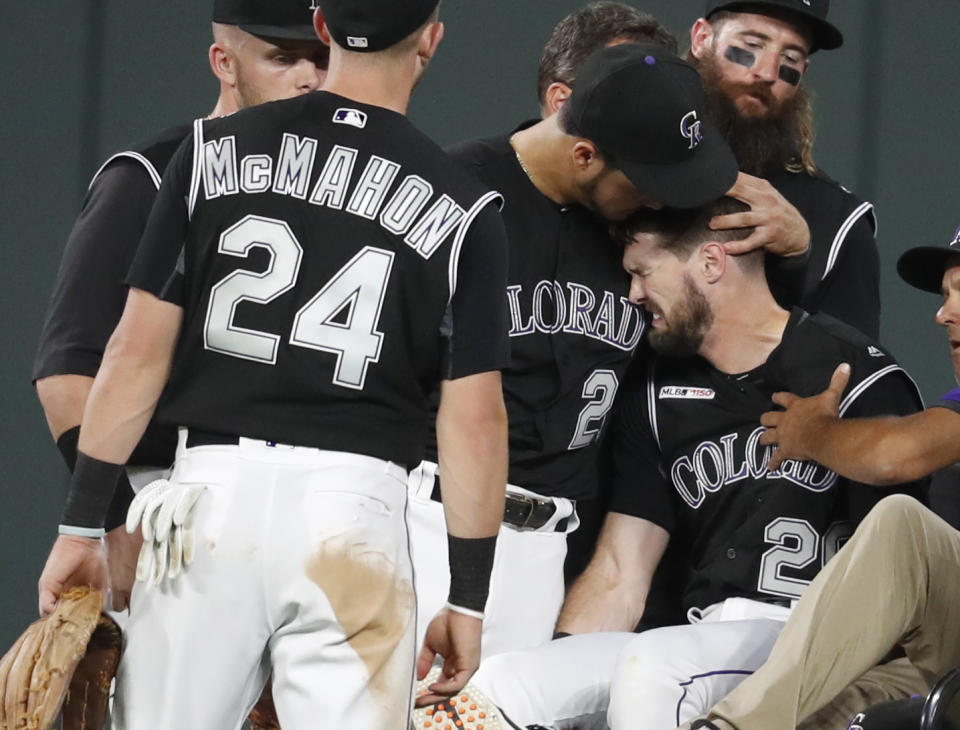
(356, 291)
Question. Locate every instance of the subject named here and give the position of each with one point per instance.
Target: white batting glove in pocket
(164, 513)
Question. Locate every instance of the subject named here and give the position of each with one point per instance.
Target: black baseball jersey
(687, 457)
(333, 265)
(89, 292)
(572, 328)
(842, 275)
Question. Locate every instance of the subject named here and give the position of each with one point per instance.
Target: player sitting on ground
(901, 551)
(688, 466)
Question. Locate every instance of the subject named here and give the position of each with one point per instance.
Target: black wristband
(91, 490)
(67, 444)
(120, 504)
(471, 562)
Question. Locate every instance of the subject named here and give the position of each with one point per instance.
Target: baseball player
(261, 52)
(780, 226)
(688, 465)
(310, 270)
(901, 563)
(572, 329)
(752, 57)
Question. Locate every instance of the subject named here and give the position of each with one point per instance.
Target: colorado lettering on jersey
(714, 465)
(554, 307)
(365, 194)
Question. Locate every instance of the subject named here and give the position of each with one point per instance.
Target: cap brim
(825, 35)
(923, 267)
(287, 33)
(703, 178)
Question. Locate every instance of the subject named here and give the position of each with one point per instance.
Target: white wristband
(92, 532)
(466, 611)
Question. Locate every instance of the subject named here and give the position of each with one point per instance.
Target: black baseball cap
(288, 19)
(643, 108)
(825, 35)
(923, 266)
(373, 25)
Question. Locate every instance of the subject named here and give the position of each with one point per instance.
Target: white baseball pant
(526, 584)
(636, 681)
(302, 568)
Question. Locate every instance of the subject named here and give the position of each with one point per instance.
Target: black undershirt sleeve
(892, 395)
(476, 325)
(89, 296)
(157, 266)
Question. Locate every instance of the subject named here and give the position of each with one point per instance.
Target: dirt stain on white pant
(373, 604)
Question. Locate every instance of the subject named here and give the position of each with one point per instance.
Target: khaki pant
(896, 582)
(896, 680)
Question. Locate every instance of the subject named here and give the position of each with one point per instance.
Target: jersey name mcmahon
(332, 265)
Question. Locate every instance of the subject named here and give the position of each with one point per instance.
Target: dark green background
(81, 79)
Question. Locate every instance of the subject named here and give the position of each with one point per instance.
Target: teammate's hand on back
(779, 227)
(796, 430)
(73, 561)
(455, 637)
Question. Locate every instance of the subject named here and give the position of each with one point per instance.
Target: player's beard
(764, 144)
(250, 94)
(689, 321)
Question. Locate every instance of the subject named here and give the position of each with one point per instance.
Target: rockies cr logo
(690, 129)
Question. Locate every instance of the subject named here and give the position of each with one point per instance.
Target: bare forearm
(134, 370)
(121, 403)
(598, 602)
(611, 593)
(63, 398)
(887, 451)
(472, 445)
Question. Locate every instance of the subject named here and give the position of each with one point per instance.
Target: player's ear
(712, 261)
(222, 63)
(557, 93)
(701, 37)
(320, 27)
(430, 39)
(585, 154)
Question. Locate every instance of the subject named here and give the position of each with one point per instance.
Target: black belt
(196, 437)
(520, 511)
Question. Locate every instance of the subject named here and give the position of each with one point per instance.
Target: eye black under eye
(740, 56)
(790, 75)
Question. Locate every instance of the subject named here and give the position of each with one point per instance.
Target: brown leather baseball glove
(264, 713)
(65, 660)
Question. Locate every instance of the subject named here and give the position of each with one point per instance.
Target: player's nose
(638, 293)
(949, 314)
(767, 68)
(309, 76)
